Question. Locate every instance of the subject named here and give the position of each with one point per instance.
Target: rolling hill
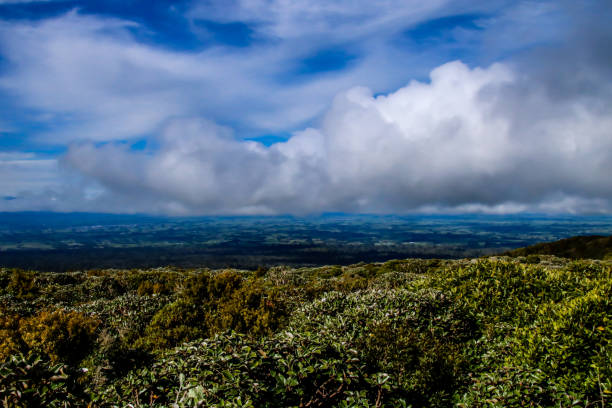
(581, 247)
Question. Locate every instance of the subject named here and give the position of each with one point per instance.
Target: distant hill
(588, 247)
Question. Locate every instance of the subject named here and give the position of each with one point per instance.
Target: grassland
(489, 332)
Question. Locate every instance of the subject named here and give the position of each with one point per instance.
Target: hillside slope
(582, 247)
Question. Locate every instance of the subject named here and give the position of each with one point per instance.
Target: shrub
(211, 304)
(254, 308)
(570, 343)
(10, 340)
(350, 282)
(147, 288)
(116, 356)
(35, 382)
(63, 336)
(476, 333)
(223, 285)
(426, 368)
(174, 324)
(532, 259)
(22, 284)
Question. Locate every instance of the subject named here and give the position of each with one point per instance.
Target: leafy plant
(35, 382)
(63, 336)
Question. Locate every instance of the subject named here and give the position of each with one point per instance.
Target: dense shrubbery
(22, 284)
(60, 335)
(421, 333)
(35, 382)
(10, 338)
(209, 304)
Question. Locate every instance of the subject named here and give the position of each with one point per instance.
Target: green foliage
(175, 323)
(35, 382)
(570, 342)
(423, 333)
(547, 332)
(415, 339)
(254, 308)
(209, 304)
(351, 281)
(152, 288)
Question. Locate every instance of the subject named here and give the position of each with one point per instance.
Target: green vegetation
(492, 332)
(591, 247)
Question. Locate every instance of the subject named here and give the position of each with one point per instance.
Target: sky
(306, 107)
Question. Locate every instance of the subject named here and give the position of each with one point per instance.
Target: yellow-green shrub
(223, 285)
(22, 284)
(253, 308)
(148, 288)
(570, 342)
(174, 324)
(62, 335)
(350, 282)
(10, 341)
(213, 303)
(426, 367)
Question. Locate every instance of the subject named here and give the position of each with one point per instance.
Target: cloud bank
(469, 140)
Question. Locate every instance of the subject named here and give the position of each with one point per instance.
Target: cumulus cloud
(466, 140)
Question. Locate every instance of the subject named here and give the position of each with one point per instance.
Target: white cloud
(453, 143)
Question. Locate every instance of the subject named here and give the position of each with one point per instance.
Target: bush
(22, 284)
(101, 287)
(350, 282)
(63, 336)
(10, 340)
(253, 308)
(570, 343)
(425, 368)
(116, 356)
(532, 259)
(211, 304)
(147, 288)
(471, 333)
(35, 382)
(175, 323)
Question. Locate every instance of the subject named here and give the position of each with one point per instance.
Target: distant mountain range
(590, 247)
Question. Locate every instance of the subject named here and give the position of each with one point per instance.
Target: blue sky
(271, 106)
